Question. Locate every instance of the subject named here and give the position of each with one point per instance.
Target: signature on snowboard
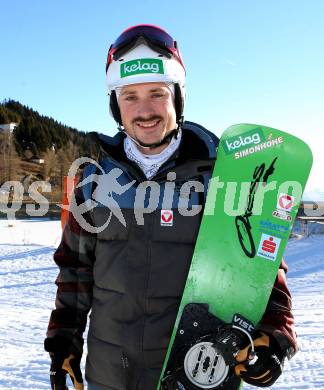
(242, 222)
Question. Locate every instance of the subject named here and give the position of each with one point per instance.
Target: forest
(39, 148)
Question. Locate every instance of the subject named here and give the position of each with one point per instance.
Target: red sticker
(285, 202)
(269, 245)
(166, 217)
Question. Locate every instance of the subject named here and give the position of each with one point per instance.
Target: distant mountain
(39, 133)
(39, 146)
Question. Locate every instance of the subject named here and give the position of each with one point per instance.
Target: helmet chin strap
(164, 140)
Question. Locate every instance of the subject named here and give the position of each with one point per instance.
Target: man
(132, 273)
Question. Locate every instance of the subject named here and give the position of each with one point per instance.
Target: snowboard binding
(204, 352)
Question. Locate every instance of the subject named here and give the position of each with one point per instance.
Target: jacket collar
(196, 143)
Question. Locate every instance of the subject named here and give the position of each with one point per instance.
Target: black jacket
(132, 275)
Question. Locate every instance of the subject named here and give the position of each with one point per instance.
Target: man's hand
(266, 367)
(63, 365)
(65, 360)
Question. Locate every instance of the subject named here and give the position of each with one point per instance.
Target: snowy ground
(27, 293)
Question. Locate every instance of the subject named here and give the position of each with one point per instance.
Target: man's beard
(147, 120)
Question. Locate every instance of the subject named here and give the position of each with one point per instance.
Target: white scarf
(150, 163)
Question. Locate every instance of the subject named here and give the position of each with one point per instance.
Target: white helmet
(145, 54)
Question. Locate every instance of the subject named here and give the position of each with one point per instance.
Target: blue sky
(247, 61)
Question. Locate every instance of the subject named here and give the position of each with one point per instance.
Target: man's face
(148, 113)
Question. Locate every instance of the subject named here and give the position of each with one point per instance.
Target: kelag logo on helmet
(140, 66)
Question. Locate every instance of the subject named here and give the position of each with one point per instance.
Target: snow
(27, 294)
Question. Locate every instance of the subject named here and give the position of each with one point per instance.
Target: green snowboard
(253, 198)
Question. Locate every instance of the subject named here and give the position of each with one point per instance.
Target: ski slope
(27, 294)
